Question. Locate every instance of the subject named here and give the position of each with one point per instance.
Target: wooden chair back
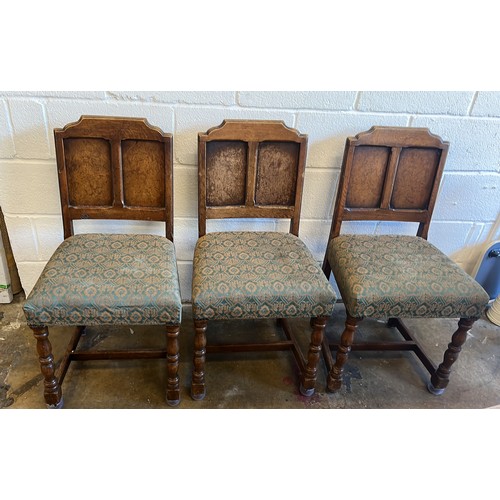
(250, 168)
(114, 168)
(390, 174)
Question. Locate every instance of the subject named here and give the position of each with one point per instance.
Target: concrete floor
(251, 380)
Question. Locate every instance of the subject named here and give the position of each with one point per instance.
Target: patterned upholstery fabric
(257, 275)
(108, 279)
(402, 276)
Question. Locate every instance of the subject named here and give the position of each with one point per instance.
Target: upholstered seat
(401, 276)
(105, 279)
(257, 275)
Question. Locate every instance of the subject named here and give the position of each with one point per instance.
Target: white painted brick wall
(63, 94)
(487, 104)
(29, 187)
(473, 197)
(223, 98)
(298, 100)
(320, 186)
(30, 132)
(185, 191)
(22, 238)
(474, 142)
(443, 103)
(466, 215)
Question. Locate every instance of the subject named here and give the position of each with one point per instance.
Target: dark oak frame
(366, 206)
(253, 133)
(113, 131)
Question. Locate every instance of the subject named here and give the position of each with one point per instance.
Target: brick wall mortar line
(357, 98)
(472, 103)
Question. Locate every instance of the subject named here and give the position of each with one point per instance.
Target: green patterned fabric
(402, 276)
(108, 279)
(257, 275)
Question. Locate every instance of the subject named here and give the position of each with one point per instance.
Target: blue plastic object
(488, 271)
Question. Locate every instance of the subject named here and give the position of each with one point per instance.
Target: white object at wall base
(493, 313)
(5, 288)
(5, 296)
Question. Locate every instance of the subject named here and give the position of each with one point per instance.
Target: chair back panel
(226, 173)
(415, 178)
(390, 173)
(143, 164)
(277, 165)
(89, 172)
(114, 168)
(251, 168)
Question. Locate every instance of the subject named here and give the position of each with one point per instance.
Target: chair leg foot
(56, 406)
(434, 390)
(197, 392)
(333, 385)
(306, 392)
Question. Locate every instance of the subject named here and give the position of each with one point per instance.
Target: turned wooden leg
(200, 342)
(441, 377)
(308, 379)
(52, 390)
(334, 382)
(173, 392)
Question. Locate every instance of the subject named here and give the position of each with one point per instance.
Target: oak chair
(393, 174)
(255, 169)
(110, 168)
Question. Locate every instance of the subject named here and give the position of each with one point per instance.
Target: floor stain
(13, 325)
(5, 401)
(350, 372)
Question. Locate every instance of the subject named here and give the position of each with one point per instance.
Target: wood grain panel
(143, 164)
(226, 172)
(415, 178)
(89, 174)
(277, 165)
(367, 177)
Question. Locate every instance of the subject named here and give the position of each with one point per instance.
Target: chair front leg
(173, 392)
(310, 374)
(334, 382)
(200, 342)
(52, 390)
(441, 376)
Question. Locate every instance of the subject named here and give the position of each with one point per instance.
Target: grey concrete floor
(268, 380)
